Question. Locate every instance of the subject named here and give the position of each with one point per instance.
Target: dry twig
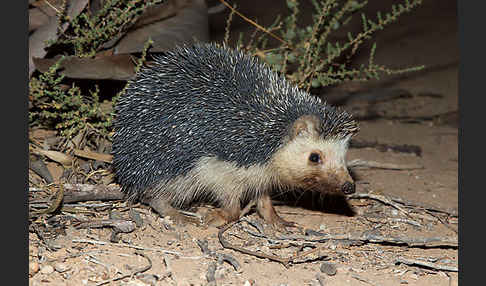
(139, 270)
(131, 246)
(424, 206)
(86, 192)
(426, 264)
(366, 237)
(226, 244)
(221, 257)
(359, 278)
(358, 163)
(107, 158)
(233, 10)
(55, 204)
(120, 225)
(285, 261)
(379, 198)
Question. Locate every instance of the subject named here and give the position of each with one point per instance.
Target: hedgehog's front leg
(267, 212)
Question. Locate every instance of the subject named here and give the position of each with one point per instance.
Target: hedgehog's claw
(267, 212)
(220, 217)
(164, 209)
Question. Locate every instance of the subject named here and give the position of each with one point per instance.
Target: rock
(61, 267)
(148, 279)
(47, 269)
(328, 268)
(33, 268)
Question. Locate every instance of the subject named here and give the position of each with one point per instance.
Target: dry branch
(136, 271)
(427, 264)
(120, 225)
(366, 237)
(226, 244)
(383, 147)
(425, 242)
(285, 261)
(362, 279)
(449, 211)
(358, 163)
(107, 158)
(379, 198)
(86, 192)
(127, 245)
(395, 201)
(221, 257)
(54, 205)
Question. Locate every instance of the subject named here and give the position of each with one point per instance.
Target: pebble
(33, 268)
(135, 283)
(328, 268)
(148, 279)
(61, 267)
(446, 261)
(414, 276)
(47, 269)
(135, 216)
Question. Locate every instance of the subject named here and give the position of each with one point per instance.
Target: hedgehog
(209, 123)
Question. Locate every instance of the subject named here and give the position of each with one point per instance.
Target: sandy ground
(427, 37)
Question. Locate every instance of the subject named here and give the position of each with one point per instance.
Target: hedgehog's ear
(305, 126)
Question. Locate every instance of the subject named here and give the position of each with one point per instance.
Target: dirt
(428, 37)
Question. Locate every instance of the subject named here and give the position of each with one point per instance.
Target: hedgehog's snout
(348, 188)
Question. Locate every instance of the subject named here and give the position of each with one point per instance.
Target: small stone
(220, 273)
(61, 267)
(47, 269)
(328, 268)
(414, 276)
(170, 242)
(446, 261)
(33, 268)
(320, 279)
(135, 216)
(148, 279)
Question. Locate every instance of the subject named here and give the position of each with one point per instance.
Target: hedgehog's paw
(279, 223)
(222, 216)
(164, 209)
(267, 212)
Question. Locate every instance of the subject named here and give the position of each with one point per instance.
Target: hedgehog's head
(314, 155)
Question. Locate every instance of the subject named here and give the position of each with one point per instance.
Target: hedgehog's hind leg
(163, 207)
(228, 212)
(266, 210)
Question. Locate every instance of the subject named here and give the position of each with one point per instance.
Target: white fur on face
(292, 165)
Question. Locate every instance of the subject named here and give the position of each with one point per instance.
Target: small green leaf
(315, 83)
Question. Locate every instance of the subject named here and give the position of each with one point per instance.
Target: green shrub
(66, 108)
(305, 54)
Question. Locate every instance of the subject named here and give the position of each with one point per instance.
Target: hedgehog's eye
(314, 157)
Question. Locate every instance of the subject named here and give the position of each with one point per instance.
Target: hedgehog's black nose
(348, 188)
